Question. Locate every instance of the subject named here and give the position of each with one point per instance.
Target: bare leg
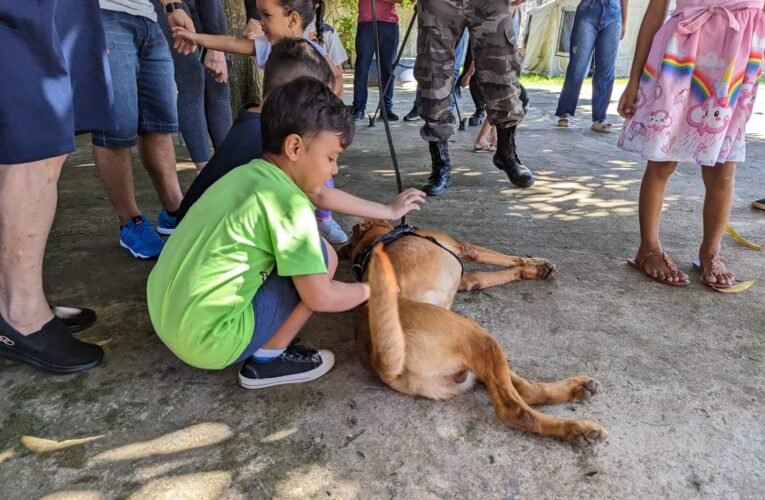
(652, 190)
(295, 321)
(28, 195)
(115, 167)
(158, 156)
(483, 140)
(718, 181)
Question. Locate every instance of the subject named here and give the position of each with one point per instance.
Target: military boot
(441, 168)
(506, 159)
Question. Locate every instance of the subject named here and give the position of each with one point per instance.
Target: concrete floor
(682, 369)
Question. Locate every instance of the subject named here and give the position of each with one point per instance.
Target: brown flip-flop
(640, 266)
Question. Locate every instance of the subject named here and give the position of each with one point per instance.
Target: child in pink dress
(690, 95)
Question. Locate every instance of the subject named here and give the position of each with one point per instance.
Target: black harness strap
(361, 261)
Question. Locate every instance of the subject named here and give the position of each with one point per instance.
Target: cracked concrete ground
(682, 369)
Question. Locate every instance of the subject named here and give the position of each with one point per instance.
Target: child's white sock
(266, 355)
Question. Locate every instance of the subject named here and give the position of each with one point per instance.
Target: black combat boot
(506, 159)
(441, 170)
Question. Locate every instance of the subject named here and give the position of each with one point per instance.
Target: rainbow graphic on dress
(649, 74)
(754, 65)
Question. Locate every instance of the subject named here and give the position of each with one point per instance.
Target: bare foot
(714, 273)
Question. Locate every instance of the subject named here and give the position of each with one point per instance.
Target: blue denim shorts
(143, 79)
(273, 303)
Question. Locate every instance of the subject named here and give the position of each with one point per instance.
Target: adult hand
(252, 29)
(179, 19)
(215, 64)
(405, 202)
(626, 108)
(624, 30)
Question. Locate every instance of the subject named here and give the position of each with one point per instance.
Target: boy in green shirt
(245, 270)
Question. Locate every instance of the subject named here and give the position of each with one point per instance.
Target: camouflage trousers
(495, 53)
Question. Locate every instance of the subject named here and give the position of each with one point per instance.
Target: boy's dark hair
(291, 58)
(305, 107)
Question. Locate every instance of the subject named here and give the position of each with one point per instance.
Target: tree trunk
(246, 79)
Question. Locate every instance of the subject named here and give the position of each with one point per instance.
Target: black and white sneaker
(295, 365)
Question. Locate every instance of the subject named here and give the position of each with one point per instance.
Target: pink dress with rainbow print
(699, 84)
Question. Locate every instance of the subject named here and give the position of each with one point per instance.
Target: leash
(383, 111)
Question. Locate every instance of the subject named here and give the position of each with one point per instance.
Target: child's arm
(339, 201)
(652, 21)
(322, 294)
(223, 43)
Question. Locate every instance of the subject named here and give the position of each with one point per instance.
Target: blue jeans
(365, 51)
(142, 77)
(459, 58)
(204, 105)
(597, 28)
(273, 303)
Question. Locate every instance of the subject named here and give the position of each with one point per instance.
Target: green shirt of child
(200, 292)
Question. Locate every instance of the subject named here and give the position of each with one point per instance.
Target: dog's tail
(387, 336)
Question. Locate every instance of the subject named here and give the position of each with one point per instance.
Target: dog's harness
(361, 261)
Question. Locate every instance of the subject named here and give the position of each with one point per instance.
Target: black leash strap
(383, 111)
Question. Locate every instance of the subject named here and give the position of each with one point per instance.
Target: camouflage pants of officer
(495, 53)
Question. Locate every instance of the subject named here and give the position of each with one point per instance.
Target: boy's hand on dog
(405, 202)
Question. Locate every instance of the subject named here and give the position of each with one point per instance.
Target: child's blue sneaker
(166, 223)
(140, 239)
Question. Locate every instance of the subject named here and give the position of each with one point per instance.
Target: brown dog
(417, 346)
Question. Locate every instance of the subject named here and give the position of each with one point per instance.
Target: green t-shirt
(200, 291)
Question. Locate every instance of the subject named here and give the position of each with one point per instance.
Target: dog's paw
(537, 269)
(584, 433)
(586, 389)
(547, 270)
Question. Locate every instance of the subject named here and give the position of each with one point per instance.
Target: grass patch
(530, 79)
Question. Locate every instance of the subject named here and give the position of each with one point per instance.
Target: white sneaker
(332, 232)
(563, 121)
(602, 126)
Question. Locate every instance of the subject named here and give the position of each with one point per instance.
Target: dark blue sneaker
(140, 239)
(295, 365)
(166, 223)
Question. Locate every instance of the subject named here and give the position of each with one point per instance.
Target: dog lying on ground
(417, 346)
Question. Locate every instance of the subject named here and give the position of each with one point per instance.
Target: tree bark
(245, 79)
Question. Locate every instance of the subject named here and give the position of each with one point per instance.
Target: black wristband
(173, 6)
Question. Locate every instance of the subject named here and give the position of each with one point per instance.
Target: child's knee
(719, 177)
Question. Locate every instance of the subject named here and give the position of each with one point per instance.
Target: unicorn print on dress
(711, 116)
